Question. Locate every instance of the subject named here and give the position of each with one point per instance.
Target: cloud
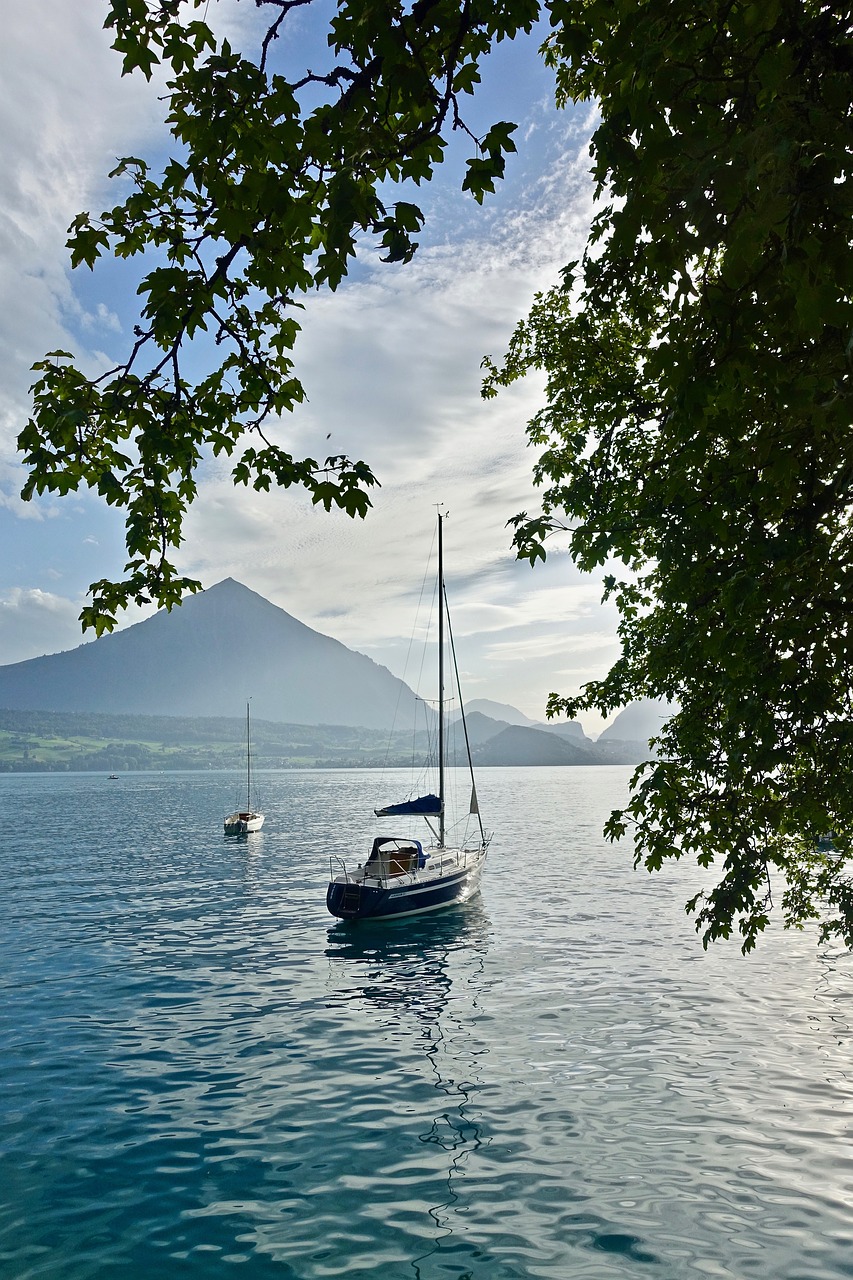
(27, 617)
(391, 364)
(100, 319)
(65, 114)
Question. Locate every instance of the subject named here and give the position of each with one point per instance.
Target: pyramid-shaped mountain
(205, 658)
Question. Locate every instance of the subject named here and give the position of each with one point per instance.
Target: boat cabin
(392, 856)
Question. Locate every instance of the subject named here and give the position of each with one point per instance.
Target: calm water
(204, 1075)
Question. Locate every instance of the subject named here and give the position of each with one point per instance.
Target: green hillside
(54, 741)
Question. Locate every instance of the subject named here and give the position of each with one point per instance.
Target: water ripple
(203, 1072)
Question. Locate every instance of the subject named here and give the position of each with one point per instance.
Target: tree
(694, 439)
(696, 432)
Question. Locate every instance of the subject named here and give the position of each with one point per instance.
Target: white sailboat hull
(240, 824)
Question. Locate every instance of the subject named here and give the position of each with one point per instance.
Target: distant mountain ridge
(521, 745)
(55, 741)
(501, 711)
(205, 658)
(224, 645)
(504, 713)
(637, 722)
(496, 743)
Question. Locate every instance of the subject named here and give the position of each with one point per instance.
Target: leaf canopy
(696, 432)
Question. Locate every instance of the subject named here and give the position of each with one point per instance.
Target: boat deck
(392, 873)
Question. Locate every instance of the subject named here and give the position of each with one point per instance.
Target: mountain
(494, 742)
(504, 713)
(205, 658)
(637, 722)
(520, 745)
(480, 728)
(498, 711)
(625, 741)
(566, 729)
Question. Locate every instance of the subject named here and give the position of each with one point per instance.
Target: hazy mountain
(520, 745)
(205, 658)
(637, 722)
(498, 711)
(494, 742)
(503, 712)
(566, 729)
(626, 741)
(480, 728)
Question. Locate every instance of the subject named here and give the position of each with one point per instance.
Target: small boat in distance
(242, 821)
(404, 876)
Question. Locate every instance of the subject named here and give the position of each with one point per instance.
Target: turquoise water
(203, 1074)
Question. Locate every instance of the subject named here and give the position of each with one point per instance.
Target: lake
(205, 1075)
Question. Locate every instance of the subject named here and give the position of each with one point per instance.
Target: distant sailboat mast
(242, 821)
(248, 763)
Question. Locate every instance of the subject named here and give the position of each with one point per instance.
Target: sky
(390, 362)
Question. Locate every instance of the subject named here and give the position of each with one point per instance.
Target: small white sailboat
(242, 821)
(404, 876)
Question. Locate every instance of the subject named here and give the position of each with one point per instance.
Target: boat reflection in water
(410, 965)
(414, 986)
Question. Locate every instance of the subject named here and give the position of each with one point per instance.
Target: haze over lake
(205, 1075)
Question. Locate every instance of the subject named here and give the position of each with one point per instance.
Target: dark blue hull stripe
(364, 902)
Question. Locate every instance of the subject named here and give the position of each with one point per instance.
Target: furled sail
(425, 806)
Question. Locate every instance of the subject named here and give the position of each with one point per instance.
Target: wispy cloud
(27, 617)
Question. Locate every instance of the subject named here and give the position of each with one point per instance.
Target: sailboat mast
(248, 765)
(440, 685)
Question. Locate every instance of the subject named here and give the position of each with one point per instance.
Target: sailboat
(243, 821)
(404, 876)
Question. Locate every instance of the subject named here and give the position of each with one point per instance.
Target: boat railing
(338, 867)
(338, 870)
(387, 871)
